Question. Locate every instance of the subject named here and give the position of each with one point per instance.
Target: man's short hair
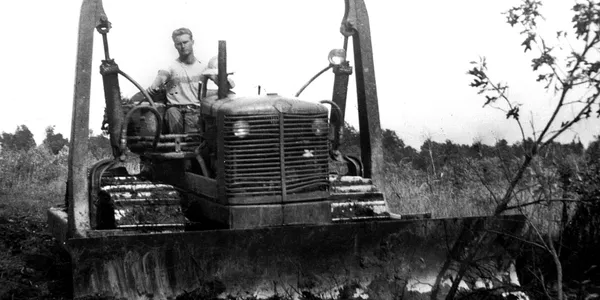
(181, 31)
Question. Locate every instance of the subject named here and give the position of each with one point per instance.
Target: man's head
(183, 41)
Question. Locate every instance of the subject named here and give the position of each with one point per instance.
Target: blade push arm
(91, 15)
(355, 24)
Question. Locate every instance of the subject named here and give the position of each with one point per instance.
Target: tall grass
(457, 190)
(473, 186)
(36, 179)
(32, 181)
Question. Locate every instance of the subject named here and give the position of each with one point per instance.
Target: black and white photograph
(300, 150)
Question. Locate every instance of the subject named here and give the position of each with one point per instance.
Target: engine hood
(259, 105)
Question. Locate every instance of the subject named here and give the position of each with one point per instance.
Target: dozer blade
(384, 259)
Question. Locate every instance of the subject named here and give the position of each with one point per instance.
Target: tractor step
(355, 198)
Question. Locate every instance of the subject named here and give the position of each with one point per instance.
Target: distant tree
(503, 150)
(395, 149)
(22, 139)
(54, 141)
(392, 143)
(99, 146)
(592, 152)
(576, 147)
(448, 152)
(426, 160)
(350, 140)
(433, 156)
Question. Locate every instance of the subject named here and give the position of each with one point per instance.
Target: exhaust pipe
(222, 76)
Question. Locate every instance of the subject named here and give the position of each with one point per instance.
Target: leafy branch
(567, 78)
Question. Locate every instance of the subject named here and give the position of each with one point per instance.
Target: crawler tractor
(260, 202)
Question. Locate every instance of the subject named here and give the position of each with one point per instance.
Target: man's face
(184, 44)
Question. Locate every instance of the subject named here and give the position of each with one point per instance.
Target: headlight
(241, 128)
(320, 127)
(337, 56)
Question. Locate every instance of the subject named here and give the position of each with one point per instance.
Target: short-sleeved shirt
(183, 82)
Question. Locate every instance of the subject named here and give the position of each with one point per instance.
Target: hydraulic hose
(151, 108)
(338, 110)
(337, 127)
(128, 116)
(312, 79)
(137, 85)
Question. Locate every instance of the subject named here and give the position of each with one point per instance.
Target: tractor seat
(141, 133)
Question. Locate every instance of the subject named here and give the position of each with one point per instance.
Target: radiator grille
(253, 163)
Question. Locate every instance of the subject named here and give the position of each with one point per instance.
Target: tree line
(432, 156)
(22, 140)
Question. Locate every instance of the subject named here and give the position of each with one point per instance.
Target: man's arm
(155, 89)
(159, 82)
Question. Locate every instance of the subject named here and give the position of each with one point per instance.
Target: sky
(421, 49)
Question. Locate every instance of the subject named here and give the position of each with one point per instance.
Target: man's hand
(159, 82)
(211, 73)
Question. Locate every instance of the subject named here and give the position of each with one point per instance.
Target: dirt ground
(32, 265)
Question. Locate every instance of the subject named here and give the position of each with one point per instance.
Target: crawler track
(134, 202)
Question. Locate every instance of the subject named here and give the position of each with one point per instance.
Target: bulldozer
(259, 203)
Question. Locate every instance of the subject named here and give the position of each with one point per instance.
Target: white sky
(422, 51)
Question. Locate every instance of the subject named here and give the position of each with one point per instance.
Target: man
(180, 82)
